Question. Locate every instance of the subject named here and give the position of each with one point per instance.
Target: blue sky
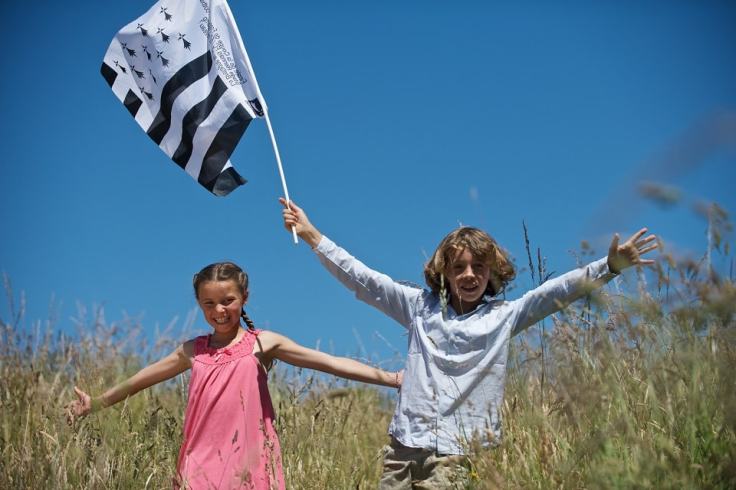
(396, 121)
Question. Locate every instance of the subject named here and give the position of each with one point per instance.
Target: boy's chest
(456, 335)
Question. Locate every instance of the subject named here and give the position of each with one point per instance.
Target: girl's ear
(245, 296)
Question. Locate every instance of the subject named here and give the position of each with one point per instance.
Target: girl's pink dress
(229, 439)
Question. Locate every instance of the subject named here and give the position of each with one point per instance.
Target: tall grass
(633, 388)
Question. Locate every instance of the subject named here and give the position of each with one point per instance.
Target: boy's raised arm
(557, 293)
(372, 287)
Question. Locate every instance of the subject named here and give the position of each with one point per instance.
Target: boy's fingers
(646, 240)
(648, 249)
(289, 205)
(613, 249)
(637, 235)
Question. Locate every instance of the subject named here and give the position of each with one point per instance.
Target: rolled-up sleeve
(378, 290)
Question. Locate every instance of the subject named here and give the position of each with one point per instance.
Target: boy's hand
(629, 253)
(296, 217)
(78, 408)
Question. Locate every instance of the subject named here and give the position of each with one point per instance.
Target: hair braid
(248, 321)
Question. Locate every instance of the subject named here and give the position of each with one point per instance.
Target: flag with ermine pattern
(182, 72)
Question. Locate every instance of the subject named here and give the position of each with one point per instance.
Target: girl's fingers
(645, 262)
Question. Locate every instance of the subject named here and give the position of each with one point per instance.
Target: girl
(229, 439)
(459, 331)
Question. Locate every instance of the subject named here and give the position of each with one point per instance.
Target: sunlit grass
(639, 391)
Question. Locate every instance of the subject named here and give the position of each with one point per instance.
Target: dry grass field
(634, 387)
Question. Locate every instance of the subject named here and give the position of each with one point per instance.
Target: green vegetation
(635, 388)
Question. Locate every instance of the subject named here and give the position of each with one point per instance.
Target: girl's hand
(78, 408)
(296, 217)
(629, 253)
(399, 379)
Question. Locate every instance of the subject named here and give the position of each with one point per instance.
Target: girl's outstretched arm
(275, 346)
(168, 367)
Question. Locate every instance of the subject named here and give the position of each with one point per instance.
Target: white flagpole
(281, 170)
(260, 97)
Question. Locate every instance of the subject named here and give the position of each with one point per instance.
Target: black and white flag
(182, 71)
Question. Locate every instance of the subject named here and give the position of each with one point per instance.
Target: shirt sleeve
(559, 292)
(378, 290)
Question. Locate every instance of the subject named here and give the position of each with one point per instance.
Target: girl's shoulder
(188, 346)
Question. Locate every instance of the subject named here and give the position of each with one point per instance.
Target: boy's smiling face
(468, 277)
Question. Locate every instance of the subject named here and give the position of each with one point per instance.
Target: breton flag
(182, 72)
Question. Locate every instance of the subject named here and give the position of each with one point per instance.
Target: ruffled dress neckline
(217, 355)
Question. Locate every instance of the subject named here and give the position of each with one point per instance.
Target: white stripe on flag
(189, 98)
(206, 133)
(182, 71)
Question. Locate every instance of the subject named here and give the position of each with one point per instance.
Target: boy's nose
(468, 271)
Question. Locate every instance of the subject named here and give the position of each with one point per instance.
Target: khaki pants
(413, 468)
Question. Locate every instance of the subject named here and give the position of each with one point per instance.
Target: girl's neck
(226, 339)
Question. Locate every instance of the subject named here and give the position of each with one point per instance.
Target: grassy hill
(633, 388)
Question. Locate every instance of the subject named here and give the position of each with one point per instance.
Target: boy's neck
(461, 308)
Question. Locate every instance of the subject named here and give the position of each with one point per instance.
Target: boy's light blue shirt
(456, 365)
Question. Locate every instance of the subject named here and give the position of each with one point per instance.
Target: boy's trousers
(406, 468)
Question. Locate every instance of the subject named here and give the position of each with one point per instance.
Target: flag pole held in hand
(281, 171)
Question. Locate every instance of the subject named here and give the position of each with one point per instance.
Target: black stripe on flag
(222, 147)
(108, 73)
(193, 119)
(182, 79)
(227, 181)
(132, 102)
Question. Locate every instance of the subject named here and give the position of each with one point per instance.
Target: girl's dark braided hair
(224, 271)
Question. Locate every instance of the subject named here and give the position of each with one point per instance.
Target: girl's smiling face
(468, 278)
(222, 303)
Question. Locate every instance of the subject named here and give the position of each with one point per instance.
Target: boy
(459, 332)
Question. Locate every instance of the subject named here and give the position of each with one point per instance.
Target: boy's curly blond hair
(482, 246)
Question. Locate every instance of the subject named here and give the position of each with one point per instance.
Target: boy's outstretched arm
(557, 293)
(168, 367)
(296, 217)
(276, 346)
(395, 299)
